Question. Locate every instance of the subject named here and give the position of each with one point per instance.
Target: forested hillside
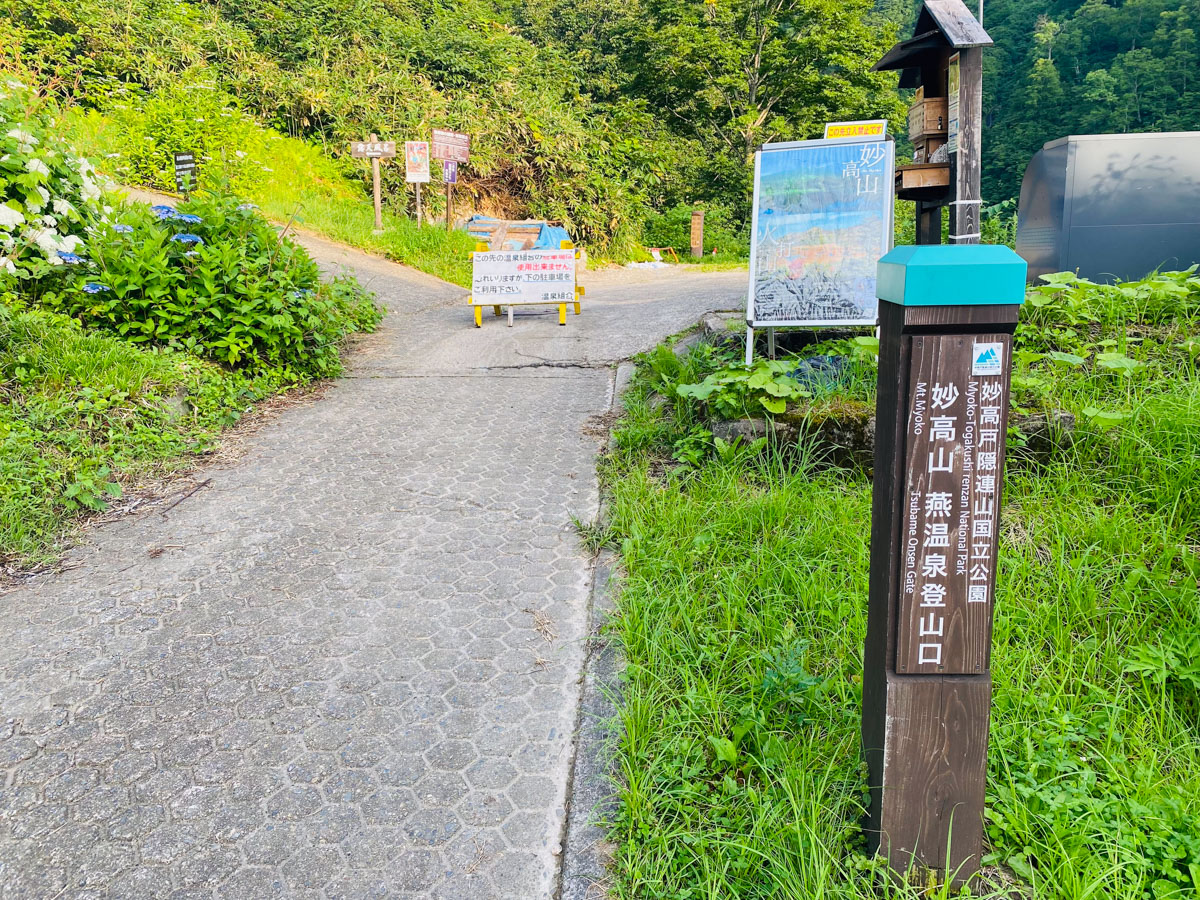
(1069, 67)
(606, 114)
(595, 113)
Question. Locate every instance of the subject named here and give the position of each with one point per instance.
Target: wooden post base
(926, 752)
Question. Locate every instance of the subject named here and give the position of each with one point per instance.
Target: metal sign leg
(749, 345)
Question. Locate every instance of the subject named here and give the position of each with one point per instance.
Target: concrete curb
(591, 796)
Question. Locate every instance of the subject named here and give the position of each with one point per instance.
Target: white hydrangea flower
(89, 190)
(70, 243)
(47, 241)
(62, 207)
(6, 265)
(9, 217)
(50, 221)
(36, 166)
(22, 137)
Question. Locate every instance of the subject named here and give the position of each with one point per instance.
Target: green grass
(83, 414)
(742, 613)
(300, 182)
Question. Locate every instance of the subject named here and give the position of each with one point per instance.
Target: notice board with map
(822, 219)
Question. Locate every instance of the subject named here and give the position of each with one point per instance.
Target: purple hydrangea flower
(94, 287)
(187, 239)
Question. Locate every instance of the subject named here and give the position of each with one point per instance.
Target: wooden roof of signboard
(942, 25)
(955, 21)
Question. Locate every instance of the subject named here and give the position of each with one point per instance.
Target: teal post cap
(948, 275)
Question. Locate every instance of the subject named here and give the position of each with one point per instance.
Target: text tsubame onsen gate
(956, 422)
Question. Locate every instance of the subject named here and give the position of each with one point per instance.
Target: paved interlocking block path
(349, 667)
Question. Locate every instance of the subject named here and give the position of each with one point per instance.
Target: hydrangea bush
(49, 195)
(214, 278)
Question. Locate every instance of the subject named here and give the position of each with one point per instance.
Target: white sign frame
(415, 175)
(523, 287)
(887, 235)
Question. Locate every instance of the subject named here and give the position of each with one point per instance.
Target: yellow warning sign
(875, 129)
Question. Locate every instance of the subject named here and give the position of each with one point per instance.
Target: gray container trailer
(1113, 207)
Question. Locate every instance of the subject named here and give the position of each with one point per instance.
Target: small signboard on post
(452, 148)
(524, 278)
(416, 168)
(374, 150)
(186, 173)
(416, 162)
(452, 145)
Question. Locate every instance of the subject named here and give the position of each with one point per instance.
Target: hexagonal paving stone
(321, 676)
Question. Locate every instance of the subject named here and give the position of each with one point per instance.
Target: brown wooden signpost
(454, 149)
(943, 61)
(374, 150)
(697, 233)
(947, 318)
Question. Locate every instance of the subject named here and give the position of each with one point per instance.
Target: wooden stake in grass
(947, 320)
(375, 150)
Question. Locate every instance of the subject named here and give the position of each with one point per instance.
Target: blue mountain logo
(988, 357)
(988, 360)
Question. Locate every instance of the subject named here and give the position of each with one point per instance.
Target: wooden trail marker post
(947, 316)
(697, 241)
(375, 150)
(943, 60)
(453, 148)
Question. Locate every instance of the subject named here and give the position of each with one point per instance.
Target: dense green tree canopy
(598, 112)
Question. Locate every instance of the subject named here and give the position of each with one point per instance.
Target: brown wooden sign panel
(452, 145)
(953, 469)
(373, 149)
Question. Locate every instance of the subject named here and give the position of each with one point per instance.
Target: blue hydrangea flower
(189, 218)
(303, 292)
(163, 212)
(123, 229)
(94, 287)
(247, 207)
(187, 239)
(192, 253)
(69, 258)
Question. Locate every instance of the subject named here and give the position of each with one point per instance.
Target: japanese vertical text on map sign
(822, 218)
(954, 462)
(518, 277)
